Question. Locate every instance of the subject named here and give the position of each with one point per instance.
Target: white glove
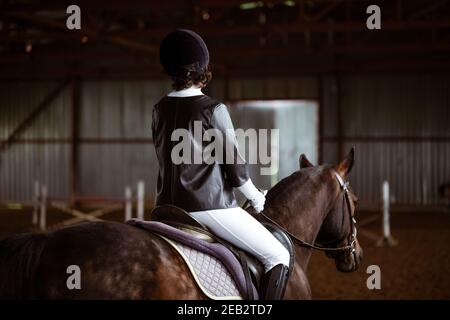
(256, 198)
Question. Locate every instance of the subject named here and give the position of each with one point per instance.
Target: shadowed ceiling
(261, 38)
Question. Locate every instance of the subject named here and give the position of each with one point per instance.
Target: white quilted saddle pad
(211, 275)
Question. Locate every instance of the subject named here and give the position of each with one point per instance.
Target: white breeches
(238, 227)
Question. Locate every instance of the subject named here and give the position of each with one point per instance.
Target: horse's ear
(346, 165)
(304, 162)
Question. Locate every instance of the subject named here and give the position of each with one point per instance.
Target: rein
(349, 247)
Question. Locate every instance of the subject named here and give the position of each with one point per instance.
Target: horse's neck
(302, 214)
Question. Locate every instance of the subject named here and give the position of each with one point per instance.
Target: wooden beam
(427, 9)
(238, 69)
(68, 141)
(65, 56)
(326, 10)
(297, 27)
(103, 141)
(425, 47)
(391, 139)
(116, 40)
(140, 5)
(33, 115)
(222, 53)
(132, 6)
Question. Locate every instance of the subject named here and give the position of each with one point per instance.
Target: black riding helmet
(183, 52)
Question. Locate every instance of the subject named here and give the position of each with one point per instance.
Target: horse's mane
(303, 178)
(19, 258)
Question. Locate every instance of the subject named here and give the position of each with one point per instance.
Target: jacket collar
(189, 92)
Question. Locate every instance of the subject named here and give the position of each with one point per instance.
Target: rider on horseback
(204, 189)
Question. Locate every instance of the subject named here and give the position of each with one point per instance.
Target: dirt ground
(417, 268)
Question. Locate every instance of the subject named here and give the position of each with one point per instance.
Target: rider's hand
(258, 201)
(256, 198)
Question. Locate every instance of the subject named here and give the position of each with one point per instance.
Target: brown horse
(118, 261)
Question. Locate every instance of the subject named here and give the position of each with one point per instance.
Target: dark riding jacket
(195, 186)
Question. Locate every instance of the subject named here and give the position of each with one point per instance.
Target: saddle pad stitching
(194, 274)
(207, 250)
(212, 279)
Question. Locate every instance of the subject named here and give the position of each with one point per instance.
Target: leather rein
(351, 239)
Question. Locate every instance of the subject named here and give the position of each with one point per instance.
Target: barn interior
(76, 111)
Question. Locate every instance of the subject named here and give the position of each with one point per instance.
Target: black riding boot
(273, 283)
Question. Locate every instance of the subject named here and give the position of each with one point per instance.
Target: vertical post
(348, 18)
(301, 12)
(275, 154)
(128, 203)
(36, 191)
(399, 10)
(386, 203)
(226, 89)
(386, 239)
(340, 124)
(76, 101)
(140, 199)
(320, 110)
(424, 191)
(43, 205)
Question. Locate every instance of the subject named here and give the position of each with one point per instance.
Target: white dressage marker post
(36, 192)
(140, 199)
(43, 208)
(128, 203)
(387, 239)
(41, 201)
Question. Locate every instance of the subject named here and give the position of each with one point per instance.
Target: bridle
(351, 239)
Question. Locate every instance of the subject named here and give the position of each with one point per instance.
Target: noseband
(351, 239)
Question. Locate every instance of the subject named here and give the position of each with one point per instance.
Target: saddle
(252, 268)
